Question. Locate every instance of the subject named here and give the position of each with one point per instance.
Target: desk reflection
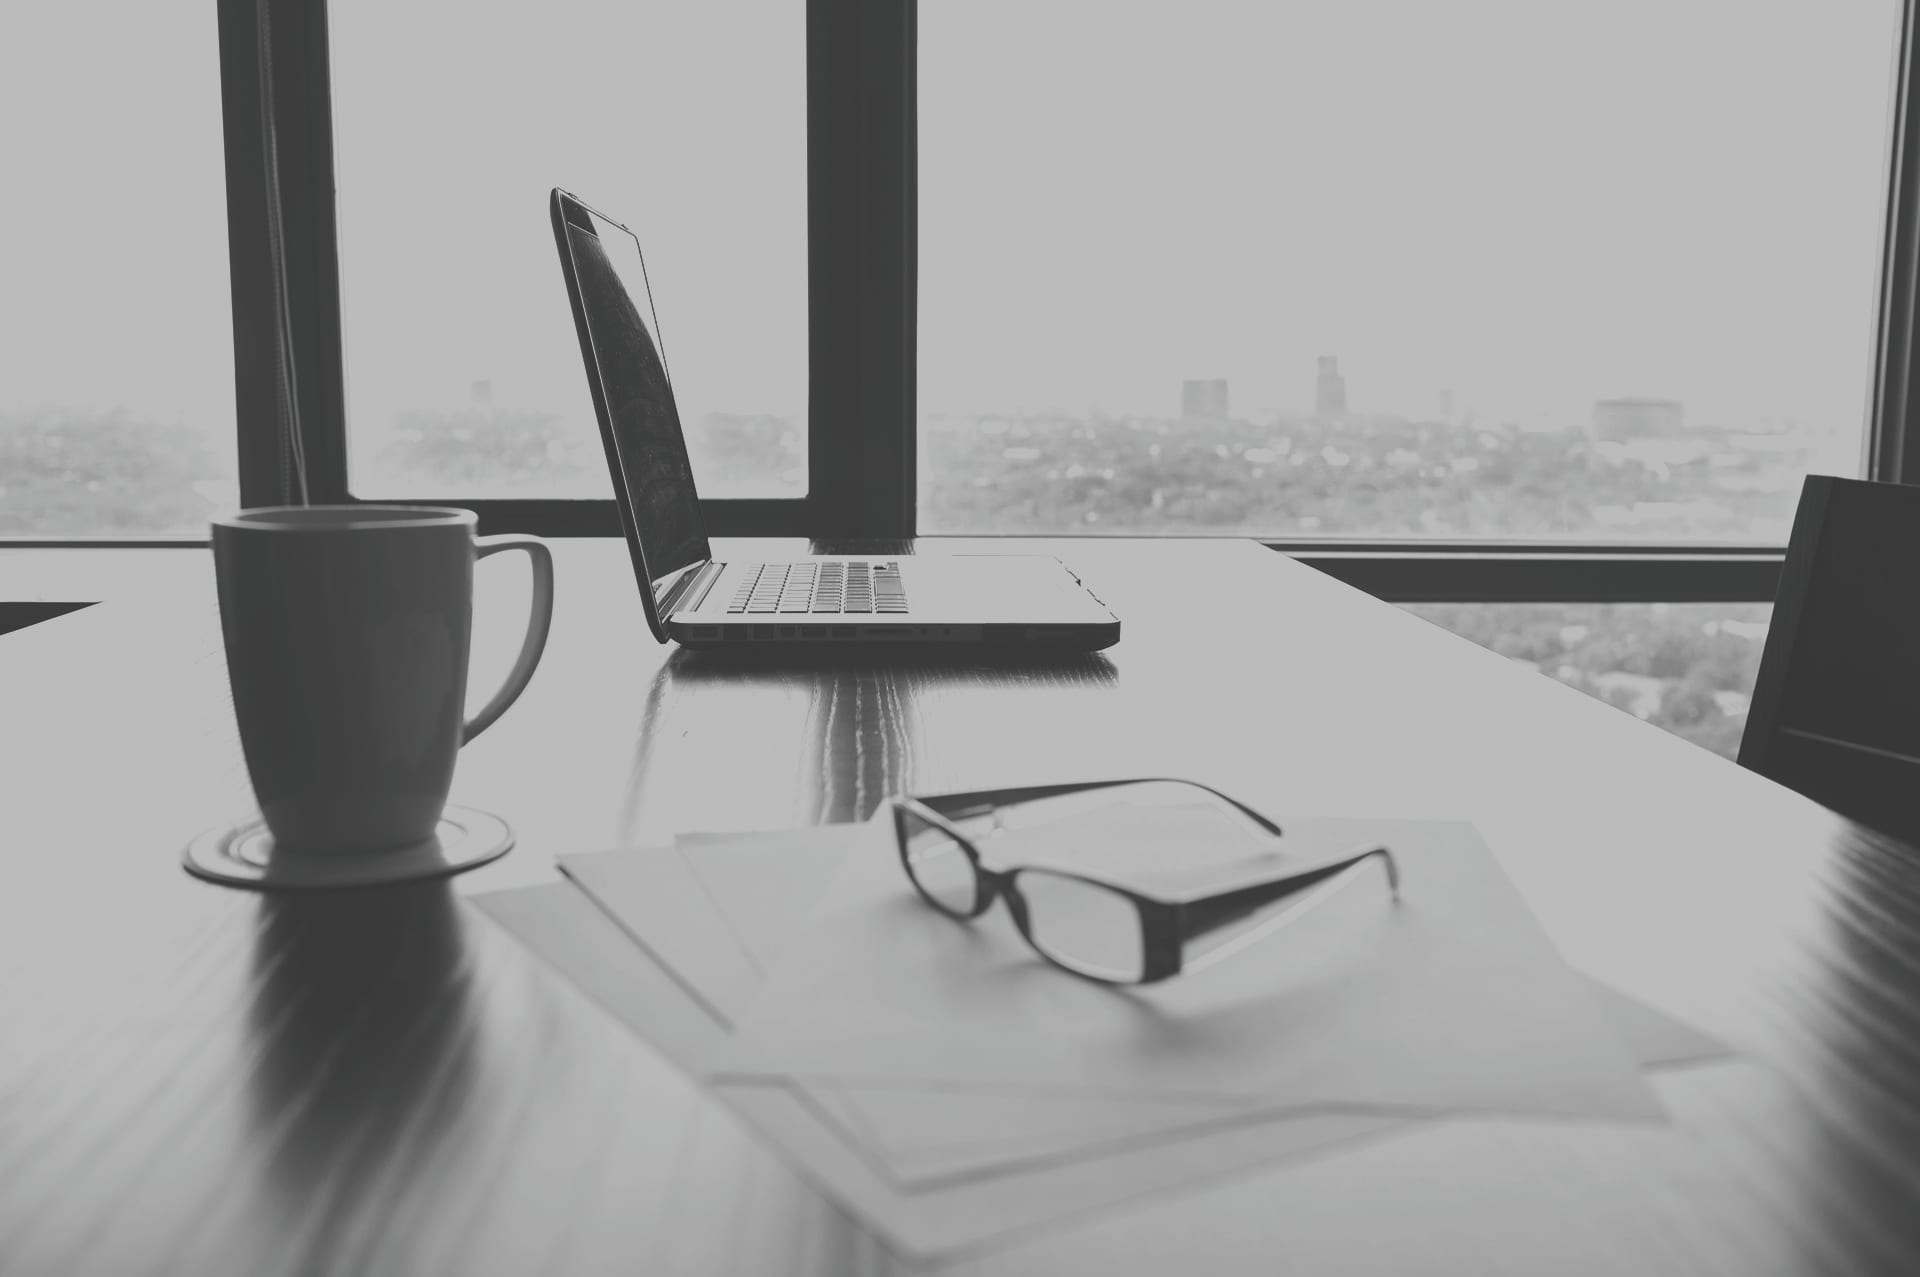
(864, 734)
(364, 1025)
(1857, 1194)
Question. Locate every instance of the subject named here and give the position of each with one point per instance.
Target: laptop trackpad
(994, 587)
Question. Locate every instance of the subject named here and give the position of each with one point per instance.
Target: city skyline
(1204, 399)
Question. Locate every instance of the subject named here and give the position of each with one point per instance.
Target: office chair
(1836, 707)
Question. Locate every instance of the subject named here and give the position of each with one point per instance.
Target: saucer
(244, 855)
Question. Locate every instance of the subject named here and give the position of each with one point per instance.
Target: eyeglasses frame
(1166, 926)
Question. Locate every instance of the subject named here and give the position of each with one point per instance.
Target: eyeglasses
(1091, 927)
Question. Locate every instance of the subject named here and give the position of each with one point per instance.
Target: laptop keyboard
(820, 587)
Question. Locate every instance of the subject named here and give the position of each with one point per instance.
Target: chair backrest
(1836, 707)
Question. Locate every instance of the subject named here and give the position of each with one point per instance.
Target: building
(1329, 389)
(1618, 420)
(1204, 399)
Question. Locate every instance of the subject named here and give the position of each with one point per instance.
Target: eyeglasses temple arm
(980, 801)
(1210, 913)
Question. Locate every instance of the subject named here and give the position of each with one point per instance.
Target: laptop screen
(646, 451)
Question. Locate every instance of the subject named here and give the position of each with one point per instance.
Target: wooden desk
(196, 1080)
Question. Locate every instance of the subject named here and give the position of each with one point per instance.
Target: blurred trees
(481, 446)
(1681, 667)
(71, 473)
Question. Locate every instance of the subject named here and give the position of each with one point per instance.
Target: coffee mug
(347, 632)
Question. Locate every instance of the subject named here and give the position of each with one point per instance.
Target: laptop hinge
(689, 588)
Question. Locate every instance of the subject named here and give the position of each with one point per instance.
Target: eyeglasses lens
(1083, 926)
(938, 865)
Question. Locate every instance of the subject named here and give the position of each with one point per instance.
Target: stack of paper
(952, 1090)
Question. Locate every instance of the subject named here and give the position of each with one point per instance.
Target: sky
(685, 121)
(1530, 204)
(113, 226)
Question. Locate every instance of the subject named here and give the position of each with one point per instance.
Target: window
(915, 164)
(452, 123)
(1472, 269)
(116, 337)
(1687, 667)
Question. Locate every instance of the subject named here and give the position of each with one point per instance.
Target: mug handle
(538, 622)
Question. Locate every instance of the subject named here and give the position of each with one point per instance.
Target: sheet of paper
(763, 887)
(752, 895)
(665, 909)
(766, 885)
(930, 1138)
(572, 935)
(1450, 999)
(758, 889)
(575, 937)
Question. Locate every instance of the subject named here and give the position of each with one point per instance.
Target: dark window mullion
(304, 131)
(1896, 357)
(262, 460)
(313, 257)
(861, 184)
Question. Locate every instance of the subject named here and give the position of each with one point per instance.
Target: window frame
(862, 222)
(859, 209)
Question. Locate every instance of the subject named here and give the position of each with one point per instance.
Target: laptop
(692, 598)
